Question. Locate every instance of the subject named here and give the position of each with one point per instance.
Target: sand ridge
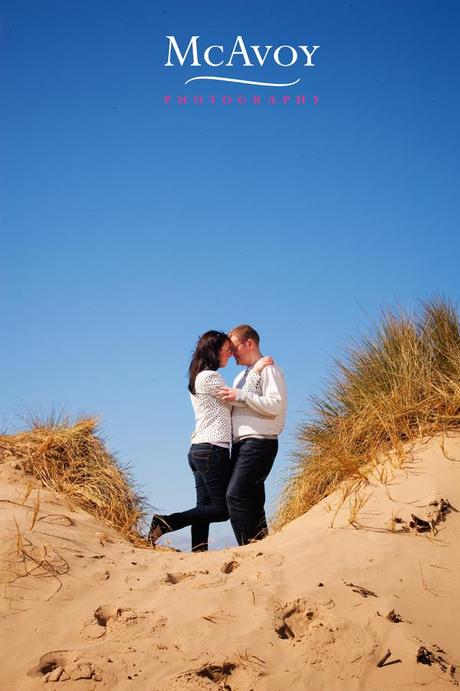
(353, 584)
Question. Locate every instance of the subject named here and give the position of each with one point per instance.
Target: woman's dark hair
(206, 355)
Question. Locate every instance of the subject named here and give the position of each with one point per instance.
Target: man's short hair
(243, 332)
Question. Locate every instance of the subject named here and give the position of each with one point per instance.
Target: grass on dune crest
(398, 384)
(71, 459)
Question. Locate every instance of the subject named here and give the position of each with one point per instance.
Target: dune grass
(71, 459)
(398, 384)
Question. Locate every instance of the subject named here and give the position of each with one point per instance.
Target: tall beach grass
(399, 383)
(71, 459)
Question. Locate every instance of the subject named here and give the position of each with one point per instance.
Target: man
(256, 426)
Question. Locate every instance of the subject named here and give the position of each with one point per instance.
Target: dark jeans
(212, 469)
(252, 460)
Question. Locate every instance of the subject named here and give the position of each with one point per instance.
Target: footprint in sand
(217, 674)
(175, 578)
(106, 614)
(229, 566)
(178, 576)
(120, 623)
(48, 662)
(272, 558)
(320, 632)
(62, 665)
(293, 620)
(103, 618)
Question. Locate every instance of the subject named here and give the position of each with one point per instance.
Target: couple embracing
(235, 440)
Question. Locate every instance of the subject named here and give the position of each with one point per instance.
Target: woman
(209, 455)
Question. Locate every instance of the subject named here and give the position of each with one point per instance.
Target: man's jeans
(252, 460)
(212, 469)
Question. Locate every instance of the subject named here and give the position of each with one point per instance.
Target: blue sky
(129, 227)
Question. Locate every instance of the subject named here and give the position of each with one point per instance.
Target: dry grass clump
(72, 460)
(400, 383)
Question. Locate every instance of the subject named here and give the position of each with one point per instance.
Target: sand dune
(363, 576)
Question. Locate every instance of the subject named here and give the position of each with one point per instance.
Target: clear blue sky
(129, 227)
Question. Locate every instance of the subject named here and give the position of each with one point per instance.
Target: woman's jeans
(211, 468)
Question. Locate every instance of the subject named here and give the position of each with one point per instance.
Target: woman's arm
(268, 402)
(252, 383)
(209, 382)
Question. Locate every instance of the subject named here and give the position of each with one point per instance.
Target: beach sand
(306, 608)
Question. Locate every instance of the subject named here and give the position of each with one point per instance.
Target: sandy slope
(284, 613)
